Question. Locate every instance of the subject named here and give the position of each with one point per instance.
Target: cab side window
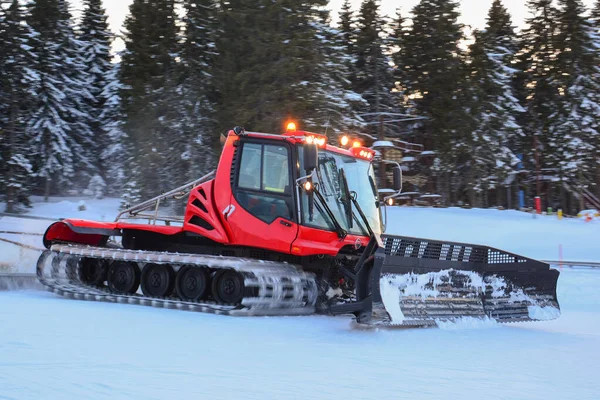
(249, 177)
(263, 186)
(276, 177)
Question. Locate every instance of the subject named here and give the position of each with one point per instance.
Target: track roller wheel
(191, 283)
(92, 271)
(123, 277)
(157, 280)
(228, 287)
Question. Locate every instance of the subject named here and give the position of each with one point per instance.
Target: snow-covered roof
(590, 211)
(383, 191)
(550, 178)
(409, 159)
(366, 135)
(410, 193)
(382, 143)
(430, 196)
(427, 153)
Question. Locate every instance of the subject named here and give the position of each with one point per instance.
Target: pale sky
(473, 12)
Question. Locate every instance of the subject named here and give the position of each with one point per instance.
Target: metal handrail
(135, 212)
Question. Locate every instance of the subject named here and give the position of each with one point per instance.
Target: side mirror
(397, 179)
(311, 157)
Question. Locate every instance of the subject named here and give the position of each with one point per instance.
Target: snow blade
(417, 282)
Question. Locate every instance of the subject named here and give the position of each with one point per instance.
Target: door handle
(285, 223)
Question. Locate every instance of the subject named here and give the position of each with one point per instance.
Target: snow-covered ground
(51, 347)
(537, 236)
(69, 207)
(15, 259)
(65, 349)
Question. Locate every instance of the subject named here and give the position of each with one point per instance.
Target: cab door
(261, 212)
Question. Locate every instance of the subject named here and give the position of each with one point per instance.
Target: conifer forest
(490, 117)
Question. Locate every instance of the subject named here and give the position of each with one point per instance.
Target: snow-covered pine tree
(398, 35)
(147, 63)
(52, 143)
(496, 131)
(170, 139)
(59, 125)
(235, 42)
(536, 60)
(115, 153)
(96, 38)
(595, 22)
(595, 14)
(374, 80)
(276, 80)
(3, 105)
(195, 91)
(347, 32)
(571, 139)
(16, 83)
(335, 104)
(436, 82)
(347, 26)
(75, 80)
(132, 193)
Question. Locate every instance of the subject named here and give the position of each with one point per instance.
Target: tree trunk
(563, 197)
(499, 201)
(598, 177)
(470, 190)
(10, 196)
(485, 200)
(448, 188)
(47, 188)
(10, 192)
(471, 195)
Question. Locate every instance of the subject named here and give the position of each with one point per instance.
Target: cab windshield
(361, 179)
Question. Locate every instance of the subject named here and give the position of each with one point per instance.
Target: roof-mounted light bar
(363, 152)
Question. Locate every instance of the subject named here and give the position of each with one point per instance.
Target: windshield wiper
(338, 228)
(361, 213)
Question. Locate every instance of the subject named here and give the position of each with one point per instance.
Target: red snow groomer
(289, 225)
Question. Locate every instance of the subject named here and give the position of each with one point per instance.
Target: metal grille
(435, 250)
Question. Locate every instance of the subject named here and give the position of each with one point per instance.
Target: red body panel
(313, 241)
(251, 231)
(222, 195)
(85, 223)
(94, 232)
(64, 231)
(110, 228)
(202, 217)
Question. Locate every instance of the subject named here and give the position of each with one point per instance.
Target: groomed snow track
(270, 288)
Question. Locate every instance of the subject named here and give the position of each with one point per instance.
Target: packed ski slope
(51, 347)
